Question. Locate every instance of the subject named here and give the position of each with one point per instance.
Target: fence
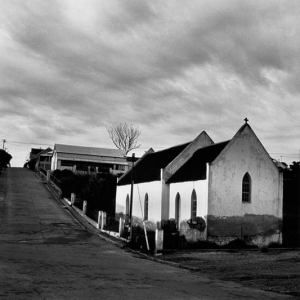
(55, 180)
(98, 219)
(43, 171)
(103, 222)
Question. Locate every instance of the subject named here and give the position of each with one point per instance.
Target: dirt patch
(276, 270)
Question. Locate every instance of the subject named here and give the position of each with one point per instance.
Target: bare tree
(124, 136)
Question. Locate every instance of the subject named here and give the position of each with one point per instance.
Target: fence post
(99, 219)
(84, 207)
(121, 226)
(159, 240)
(48, 175)
(103, 223)
(73, 198)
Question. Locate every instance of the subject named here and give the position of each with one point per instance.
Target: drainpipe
(131, 196)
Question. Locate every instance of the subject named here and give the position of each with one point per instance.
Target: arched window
(246, 188)
(146, 205)
(127, 205)
(177, 209)
(194, 206)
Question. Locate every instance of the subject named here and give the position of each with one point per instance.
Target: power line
(27, 143)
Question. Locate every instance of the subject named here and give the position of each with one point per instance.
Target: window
(194, 206)
(146, 203)
(67, 163)
(177, 210)
(127, 205)
(121, 167)
(246, 188)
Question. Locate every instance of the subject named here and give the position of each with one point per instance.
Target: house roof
(149, 166)
(89, 151)
(35, 151)
(47, 152)
(195, 167)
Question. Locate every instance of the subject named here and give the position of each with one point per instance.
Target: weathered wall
(185, 190)
(139, 191)
(228, 216)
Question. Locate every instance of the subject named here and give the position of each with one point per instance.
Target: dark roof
(47, 152)
(90, 151)
(148, 168)
(35, 151)
(195, 167)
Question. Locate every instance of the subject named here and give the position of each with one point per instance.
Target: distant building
(88, 159)
(214, 192)
(34, 152)
(43, 159)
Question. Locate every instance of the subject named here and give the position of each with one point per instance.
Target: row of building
(77, 158)
(214, 192)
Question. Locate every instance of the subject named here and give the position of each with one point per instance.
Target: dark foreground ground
(276, 270)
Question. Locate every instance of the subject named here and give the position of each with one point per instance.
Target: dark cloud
(68, 68)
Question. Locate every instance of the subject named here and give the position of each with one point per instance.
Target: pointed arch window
(127, 205)
(194, 206)
(146, 207)
(177, 209)
(246, 188)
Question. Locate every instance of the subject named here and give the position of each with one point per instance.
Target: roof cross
(246, 120)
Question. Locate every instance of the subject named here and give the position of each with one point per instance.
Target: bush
(31, 164)
(99, 190)
(4, 159)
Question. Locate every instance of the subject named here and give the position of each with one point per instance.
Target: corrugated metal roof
(61, 148)
(92, 158)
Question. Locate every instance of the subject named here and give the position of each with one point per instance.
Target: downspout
(165, 198)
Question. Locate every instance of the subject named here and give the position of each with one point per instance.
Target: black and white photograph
(150, 149)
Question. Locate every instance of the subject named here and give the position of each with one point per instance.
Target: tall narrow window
(194, 206)
(146, 205)
(177, 210)
(127, 205)
(246, 188)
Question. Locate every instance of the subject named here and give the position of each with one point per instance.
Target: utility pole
(131, 196)
(4, 141)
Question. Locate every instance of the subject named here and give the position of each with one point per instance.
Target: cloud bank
(174, 68)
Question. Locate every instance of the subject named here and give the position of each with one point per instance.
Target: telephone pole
(131, 196)
(4, 141)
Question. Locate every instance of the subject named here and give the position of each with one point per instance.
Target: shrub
(4, 159)
(99, 190)
(31, 164)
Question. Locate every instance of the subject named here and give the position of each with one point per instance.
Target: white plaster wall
(225, 188)
(54, 161)
(185, 190)
(139, 191)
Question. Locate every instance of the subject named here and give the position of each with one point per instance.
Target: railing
(43, 171)
(55, 180)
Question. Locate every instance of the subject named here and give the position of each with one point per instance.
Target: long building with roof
(88, 159)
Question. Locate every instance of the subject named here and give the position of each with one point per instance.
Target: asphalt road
(45, 253)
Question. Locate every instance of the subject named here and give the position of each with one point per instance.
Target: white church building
(215, 192)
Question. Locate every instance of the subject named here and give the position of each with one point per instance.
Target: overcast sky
(69, 68)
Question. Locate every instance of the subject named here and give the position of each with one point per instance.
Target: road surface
(45, 253)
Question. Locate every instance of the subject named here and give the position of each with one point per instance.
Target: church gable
(245, 143)
(201, 141)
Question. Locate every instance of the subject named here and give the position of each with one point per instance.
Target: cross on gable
(246, 120)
